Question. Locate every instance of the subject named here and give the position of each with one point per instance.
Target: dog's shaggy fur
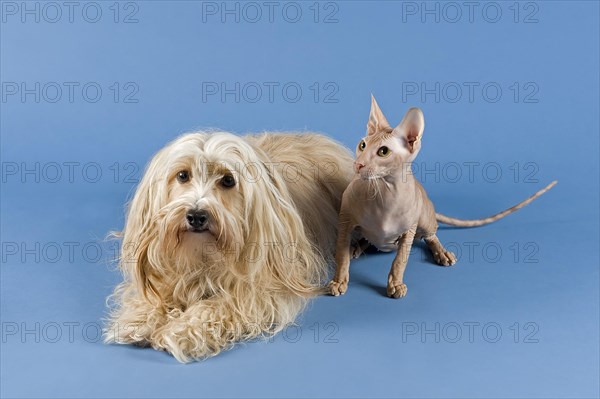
(263, 249)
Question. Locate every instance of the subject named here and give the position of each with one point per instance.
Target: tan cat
(388, 207)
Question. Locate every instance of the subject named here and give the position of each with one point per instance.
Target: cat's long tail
(480, 222)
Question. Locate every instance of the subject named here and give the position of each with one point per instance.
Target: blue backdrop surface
(510, 92)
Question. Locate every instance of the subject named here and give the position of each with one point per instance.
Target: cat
(388, 207)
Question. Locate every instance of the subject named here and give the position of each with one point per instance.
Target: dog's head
(210, 206)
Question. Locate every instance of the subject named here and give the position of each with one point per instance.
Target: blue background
(362, 346)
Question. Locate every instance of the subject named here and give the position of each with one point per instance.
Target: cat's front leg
(359, 247)
(339, 284)
(396, 287)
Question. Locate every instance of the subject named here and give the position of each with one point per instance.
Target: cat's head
(386, 150)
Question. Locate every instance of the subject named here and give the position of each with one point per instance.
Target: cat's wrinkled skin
(385, 204)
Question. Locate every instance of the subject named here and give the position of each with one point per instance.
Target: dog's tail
(480, 222)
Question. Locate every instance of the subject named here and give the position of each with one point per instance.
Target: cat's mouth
(370, 175)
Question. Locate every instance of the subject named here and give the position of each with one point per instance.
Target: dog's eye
(183, 176)
(228, 181)
(383, 151)
(362, 145)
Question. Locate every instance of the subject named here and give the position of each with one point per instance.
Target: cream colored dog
(226, 238)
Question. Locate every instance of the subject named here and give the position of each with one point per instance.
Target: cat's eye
(383, 151)
(228, 181)
(362, 145)
(183, 176)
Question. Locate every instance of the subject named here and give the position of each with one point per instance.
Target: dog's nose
(197, 219)
(358, 166)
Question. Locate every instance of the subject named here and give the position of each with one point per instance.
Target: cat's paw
(445, 258)
(396, 290)
(359, 248)
(338, 288)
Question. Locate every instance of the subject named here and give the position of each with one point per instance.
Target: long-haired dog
(226, 238)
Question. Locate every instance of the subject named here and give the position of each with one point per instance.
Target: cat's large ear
(377, 121)
(411, 129)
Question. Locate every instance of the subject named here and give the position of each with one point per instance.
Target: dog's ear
(377, 121)
(141, 229)
(289, 256)
(410, 130)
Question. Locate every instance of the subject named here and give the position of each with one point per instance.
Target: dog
(225, 240)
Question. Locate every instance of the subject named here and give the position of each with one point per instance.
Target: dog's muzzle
(197, 220)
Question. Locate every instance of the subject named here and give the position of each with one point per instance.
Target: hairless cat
(388, 207)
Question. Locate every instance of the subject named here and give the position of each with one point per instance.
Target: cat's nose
(358, 166)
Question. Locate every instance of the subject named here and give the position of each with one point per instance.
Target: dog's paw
(338, 288)
(445, 258)
(396, 290)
